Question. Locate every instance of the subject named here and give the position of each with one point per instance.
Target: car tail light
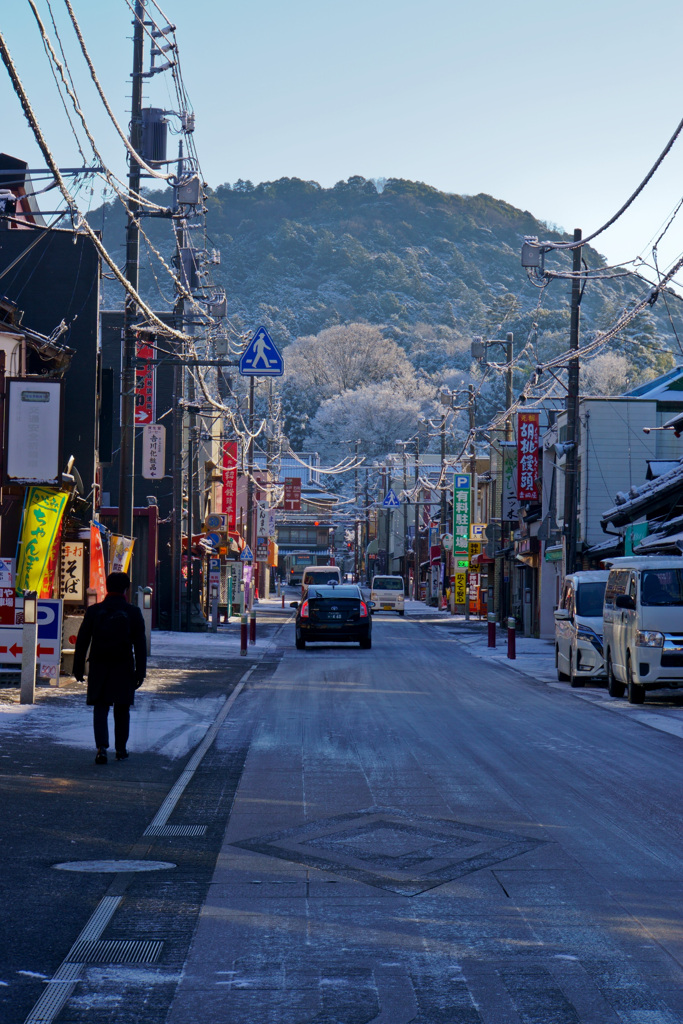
(304, 610)
(363, 610)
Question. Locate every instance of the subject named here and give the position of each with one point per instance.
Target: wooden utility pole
(127, 454)
(570, 475)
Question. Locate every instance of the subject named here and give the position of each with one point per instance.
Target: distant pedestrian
(114, 630)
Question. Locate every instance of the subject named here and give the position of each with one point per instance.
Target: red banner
(145, 383)
(98, 574)
(527, 455)
(230, 483)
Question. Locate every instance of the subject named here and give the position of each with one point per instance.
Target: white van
(578, 627)
(319, 574)
(388, 594)
(643, 625)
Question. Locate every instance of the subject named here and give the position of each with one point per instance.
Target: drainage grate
(175, 830)
(116, 951)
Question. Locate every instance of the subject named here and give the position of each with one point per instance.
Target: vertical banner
(153, 451)
(145, 383)
(120, 552)
(72, 581)
(98, 576)
(43, 511)
(230, 484)
(461, 518)
(527, 455)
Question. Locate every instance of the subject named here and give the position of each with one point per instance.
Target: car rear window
(380, 583)
(590, 598)
(321, 575)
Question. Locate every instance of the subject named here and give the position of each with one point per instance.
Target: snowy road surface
(406, 834)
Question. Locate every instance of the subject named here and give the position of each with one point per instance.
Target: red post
(492, 629)
(283, 600)
(243, 635)
(512, 649)
(252, 628)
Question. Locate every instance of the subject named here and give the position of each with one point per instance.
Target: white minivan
(388, 594)
(643, 625)
(319, 574)
(578, 627)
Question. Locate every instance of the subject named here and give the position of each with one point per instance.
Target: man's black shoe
(121, 755)
(101, 756)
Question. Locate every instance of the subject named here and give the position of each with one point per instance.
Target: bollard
(243, 635)
(252, 628)
(492, 629)
(283, 600)
(512, 650)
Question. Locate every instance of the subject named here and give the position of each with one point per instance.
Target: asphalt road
(405, 834)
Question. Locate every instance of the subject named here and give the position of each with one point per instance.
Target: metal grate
(116, 951)
(175, 830)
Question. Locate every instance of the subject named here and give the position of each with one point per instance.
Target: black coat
(111, 680)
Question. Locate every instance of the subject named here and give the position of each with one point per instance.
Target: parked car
(333, 614)
(388, 594)
(578, 627)
(319, 574)
(643, 625)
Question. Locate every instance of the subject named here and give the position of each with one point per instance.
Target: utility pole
(388, 488)
(509, 339)
(366, 566)
(177, 416)
(416, 542)
(190, 525)
(128, 378)
(250, 472)
(356, 524)
(570, 475)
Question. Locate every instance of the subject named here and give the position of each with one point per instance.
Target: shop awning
(480, 560)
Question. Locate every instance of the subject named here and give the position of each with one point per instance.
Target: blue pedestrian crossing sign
(246, 555)
(261, 357)
(391, 500)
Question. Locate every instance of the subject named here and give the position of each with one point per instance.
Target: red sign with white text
(527, 455)
(292, 493)
(230, 484)
(145, 383)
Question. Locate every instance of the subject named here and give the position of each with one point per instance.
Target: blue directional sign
(391, 500)
(246, 555)
(261, 358)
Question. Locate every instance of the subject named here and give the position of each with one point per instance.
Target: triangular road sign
(261, 358)
(391, 500)
(246, 555)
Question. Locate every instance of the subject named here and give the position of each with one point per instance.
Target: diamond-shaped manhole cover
(390, 849)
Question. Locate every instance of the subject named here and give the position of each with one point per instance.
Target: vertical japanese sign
(153, 451)
(527, 455)
(120, 552)
(145, 383)
(510, 501)
(72, 581)
(230, 484)
(461, 513)
(292, 494)
(43, 511)
(98, 575)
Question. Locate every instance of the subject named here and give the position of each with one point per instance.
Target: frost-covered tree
(607, 374)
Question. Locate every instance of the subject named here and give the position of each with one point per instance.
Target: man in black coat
(114, 630)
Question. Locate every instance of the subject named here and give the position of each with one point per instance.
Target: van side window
(616, 584)
(570, 601)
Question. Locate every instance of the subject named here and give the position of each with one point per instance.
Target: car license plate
(335, 615)
(387, 607)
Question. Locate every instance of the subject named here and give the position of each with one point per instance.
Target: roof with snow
(668, 387)
(658, 495)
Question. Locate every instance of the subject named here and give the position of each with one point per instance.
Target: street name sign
(261, 357)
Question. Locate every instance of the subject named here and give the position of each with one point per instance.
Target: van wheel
(366, 643)
(562, 676)
(299, 642)
(636, 692)
(574, 680)
(402, 613)
(614, 687)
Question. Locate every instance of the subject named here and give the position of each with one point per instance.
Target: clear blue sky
(556, 108)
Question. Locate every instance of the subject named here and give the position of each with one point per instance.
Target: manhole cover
(114, 866)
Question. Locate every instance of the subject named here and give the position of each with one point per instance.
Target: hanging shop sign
(72, 574)
(43, 511)
(527, 455)
(120, 552)
(145, 383)
(292, 499)
(153, 451)
(510, 501)
(262, 519)
(98, 575)
(230, 484)
(34, 431)
(461, 512)
(460, 587)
